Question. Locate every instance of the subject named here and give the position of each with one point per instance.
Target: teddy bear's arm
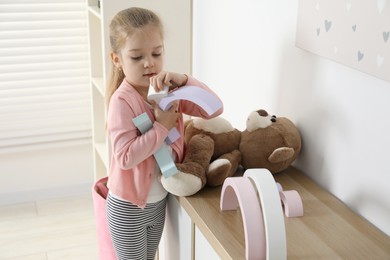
(281, 154)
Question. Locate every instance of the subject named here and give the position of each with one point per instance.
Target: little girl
(136, 200)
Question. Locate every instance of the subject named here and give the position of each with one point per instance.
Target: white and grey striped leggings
(135, 232)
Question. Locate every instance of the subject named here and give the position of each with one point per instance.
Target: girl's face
(141, 57)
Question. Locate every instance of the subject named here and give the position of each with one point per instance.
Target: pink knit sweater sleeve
(129, 146)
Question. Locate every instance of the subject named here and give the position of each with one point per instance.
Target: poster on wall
(355, 33)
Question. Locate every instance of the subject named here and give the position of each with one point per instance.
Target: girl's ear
(115, 60)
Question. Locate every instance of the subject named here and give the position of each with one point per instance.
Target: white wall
(45, 173)
(245, 51)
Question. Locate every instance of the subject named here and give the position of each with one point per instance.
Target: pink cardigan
(130, 174)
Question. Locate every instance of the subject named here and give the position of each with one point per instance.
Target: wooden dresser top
(328, 229)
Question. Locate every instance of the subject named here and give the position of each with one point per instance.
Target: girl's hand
(167, 118)
(170, 79)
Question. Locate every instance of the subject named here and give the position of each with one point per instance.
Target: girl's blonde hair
(122, 26)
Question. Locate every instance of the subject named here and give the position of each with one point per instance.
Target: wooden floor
(49, 230)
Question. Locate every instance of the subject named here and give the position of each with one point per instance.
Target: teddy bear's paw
(218, 172)
(281, 154)
(185, 182)
(225, 166)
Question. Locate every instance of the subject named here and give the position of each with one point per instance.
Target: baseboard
(82, 189)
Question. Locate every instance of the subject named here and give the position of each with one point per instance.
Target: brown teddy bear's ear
(186, 123)
(188, 133)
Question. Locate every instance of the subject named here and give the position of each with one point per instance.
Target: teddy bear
(211, 155)
(215, 150)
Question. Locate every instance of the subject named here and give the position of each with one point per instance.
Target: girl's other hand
(167, 118)
(170, 79)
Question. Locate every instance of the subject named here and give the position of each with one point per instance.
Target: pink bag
(99, 195)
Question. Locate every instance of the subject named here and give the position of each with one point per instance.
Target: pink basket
(99, 195)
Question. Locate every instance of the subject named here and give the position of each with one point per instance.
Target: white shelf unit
(177, 19)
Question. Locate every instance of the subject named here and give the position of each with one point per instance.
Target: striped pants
(135, 232)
